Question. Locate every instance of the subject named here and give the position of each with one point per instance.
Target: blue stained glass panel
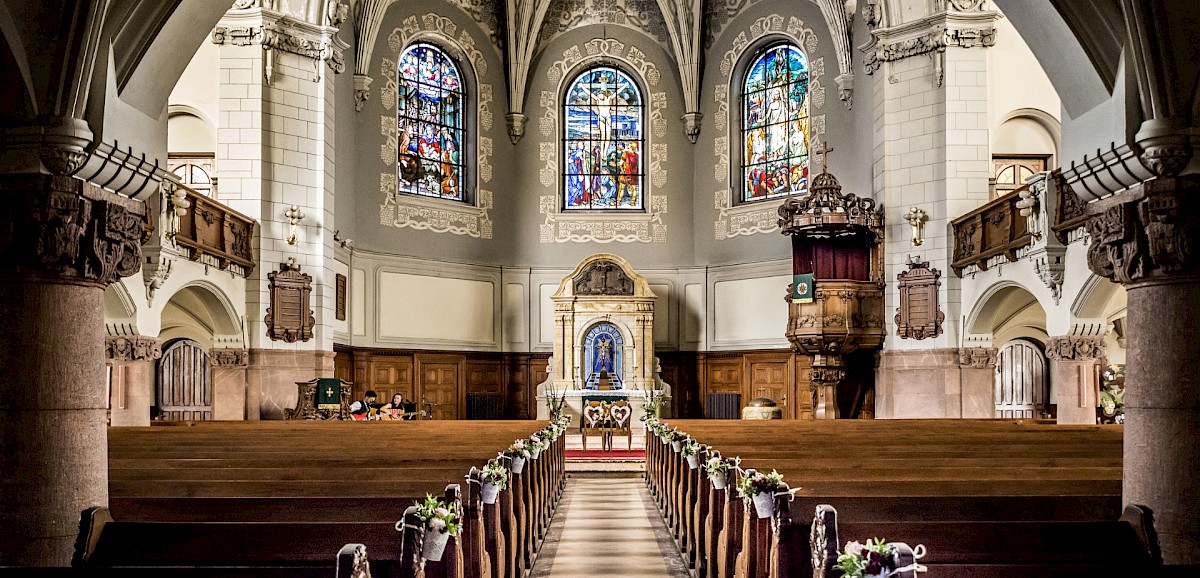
(603, 141)
(775, 125)
(429, 124)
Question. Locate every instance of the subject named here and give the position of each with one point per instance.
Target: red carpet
(595, 454)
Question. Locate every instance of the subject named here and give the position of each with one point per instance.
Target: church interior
(931, 263)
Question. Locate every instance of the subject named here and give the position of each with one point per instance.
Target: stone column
(1075, 364)
(229, 383)
(132, 360)
(1148, 239)
(63, 241)
(977, 376)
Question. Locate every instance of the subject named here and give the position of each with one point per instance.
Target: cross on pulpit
(329, 392)
(824, 152)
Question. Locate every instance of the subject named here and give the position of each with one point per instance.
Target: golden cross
(329, 392)
(825, 150)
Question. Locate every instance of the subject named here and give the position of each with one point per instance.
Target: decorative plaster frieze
(931, 34)
(260, 24)
(402, 210)
(754, 218)
(977, 357)
(644, 16)
(1075, 348)
(132, 348)
(658, 124)
(568, 228)
(228, 357)
(601, 47)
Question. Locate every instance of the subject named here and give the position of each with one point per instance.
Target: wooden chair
(620, 416)
(595, 423)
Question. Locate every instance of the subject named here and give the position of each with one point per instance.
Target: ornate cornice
(977, 357)
(280, 32)
(132, 348)
(228, 357)
(965, 29)
(1075, 348)
(64, 230)
(1147, 234)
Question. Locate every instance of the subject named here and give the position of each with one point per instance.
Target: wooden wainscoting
(447, 377)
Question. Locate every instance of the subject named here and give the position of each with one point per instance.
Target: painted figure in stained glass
(602, 141)
(775, 127)
(429, 123)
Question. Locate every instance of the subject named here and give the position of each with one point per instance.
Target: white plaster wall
(1016, 78)
(199, 88)
(435, 309)
(750, 310)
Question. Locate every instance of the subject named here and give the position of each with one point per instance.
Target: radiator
(723, 406)
(485, 406)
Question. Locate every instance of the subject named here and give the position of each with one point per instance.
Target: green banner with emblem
(329, 393)
(802, 288)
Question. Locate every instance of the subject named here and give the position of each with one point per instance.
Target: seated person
(361, 410)
(398, 408)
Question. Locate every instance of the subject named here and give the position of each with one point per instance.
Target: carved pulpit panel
(290, 316)
(919, 315)
(603, 277)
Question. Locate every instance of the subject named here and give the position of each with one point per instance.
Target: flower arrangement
(651, 407)
(495, 474)
(441, 522)
(517, 452)
(759, 483)
(677, 438)
(535, 446)
(718, 471)
(691, 451)
(875, 558)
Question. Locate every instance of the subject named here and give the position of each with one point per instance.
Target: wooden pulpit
(324, 398)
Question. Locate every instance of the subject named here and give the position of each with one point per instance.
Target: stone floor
(607, 525)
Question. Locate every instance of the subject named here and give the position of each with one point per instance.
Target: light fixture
(916, 219)
(293, 216)
(1028, 204)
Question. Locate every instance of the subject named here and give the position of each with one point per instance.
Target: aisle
(608, 526)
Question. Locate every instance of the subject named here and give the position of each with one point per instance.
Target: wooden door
(1021, 384)
(439, 383)
(770, 378)
(389, 375)
(184, 390)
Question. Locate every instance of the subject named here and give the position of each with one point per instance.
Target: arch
(1022, 380)
(190, 134)
(603, 137)
(118, 303)
(1052, 127)
(184, 385)
(1007, 311)
(614, 336)
(434, 133)
(1093, 299)
(773, 113)
(199, 311)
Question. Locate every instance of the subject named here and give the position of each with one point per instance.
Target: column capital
(229, 357)
(977, 357)
(1148, 234)
(65, 230)
(1075, 348)
(132, 348)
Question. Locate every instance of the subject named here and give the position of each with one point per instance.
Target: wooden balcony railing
(996, 228)
(212, 232)
(1071, 209)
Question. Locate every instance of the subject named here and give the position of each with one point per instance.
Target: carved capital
(362, 91)
(977, 357)
(229, 357)
(822, 376)
(62, 229)
(1147, 233)
(1075, 348)
(516, 126)
(691, 125)
(132, 348)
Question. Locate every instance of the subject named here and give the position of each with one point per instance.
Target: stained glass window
(775, 125)
(603, 142)
(430, 124)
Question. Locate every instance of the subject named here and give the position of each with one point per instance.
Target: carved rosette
(67, 230)
(1075, 348)
(1147, 233)
(132, 348)
(977, 357)
(229, 357)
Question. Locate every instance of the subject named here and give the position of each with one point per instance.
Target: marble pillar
(1075, 366)
(936, 383)
(229, 383)
(131, 360)
(64, 240)
(1148, 239)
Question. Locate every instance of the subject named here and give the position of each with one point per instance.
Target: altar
(604, 341)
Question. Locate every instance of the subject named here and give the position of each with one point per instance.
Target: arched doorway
(1021, 384)
(184, 389)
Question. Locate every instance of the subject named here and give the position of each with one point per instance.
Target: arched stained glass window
(603, 142)
(775, 125)
(430, 124)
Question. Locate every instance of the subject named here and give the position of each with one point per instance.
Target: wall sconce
(916, 219)
(293, 216)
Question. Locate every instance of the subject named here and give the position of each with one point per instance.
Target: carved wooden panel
(724, 375)
(769, 377)
(340, 291)
(387, 375)
(290, 316)
(439, 385)
(484, 376)
(603, 277)
(919, 315)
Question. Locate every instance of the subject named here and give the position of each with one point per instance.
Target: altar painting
(603, 347)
